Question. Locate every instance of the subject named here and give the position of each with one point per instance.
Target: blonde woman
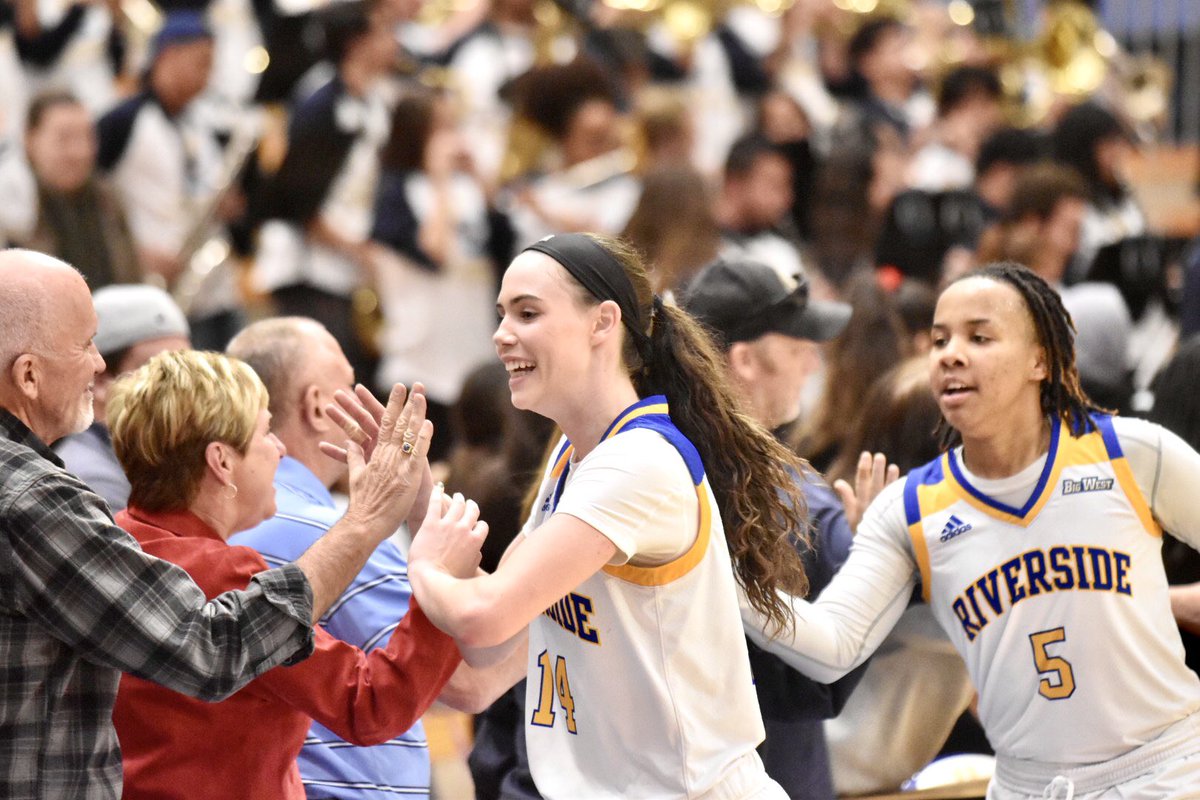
(192, 431)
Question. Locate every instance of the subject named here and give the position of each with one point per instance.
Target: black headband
(600, 273)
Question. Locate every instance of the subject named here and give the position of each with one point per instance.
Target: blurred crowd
(376, 164)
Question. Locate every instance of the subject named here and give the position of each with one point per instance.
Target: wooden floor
(449, 735)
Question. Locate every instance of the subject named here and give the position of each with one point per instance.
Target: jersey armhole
(1124, 474)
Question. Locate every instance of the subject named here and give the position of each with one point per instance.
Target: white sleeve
(1167, 470)
(858, 608)
(635, 489)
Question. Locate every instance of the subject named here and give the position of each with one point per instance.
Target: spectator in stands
(438, 244)
(968, 112)
(754, 205)
(880, 54)
(1098, 145)
(166, 169)
(874, 341)
(313, 252)
(1042, 230)
(769, 332)
(1001, 158)
(134, 324)
(783, 122)
(674, 225)
(75, 46)
(485, 61)
(591, 185)
(64, 208)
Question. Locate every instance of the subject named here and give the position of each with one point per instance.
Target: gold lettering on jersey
(1059, 569)
(573, 614)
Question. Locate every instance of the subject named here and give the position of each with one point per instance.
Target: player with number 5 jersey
(660, 500)
(1036, 540)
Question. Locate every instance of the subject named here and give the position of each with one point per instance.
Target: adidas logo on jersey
(954, 527)
(1088, 484)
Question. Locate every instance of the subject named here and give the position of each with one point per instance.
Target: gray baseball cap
(740, 300)
(132, 313)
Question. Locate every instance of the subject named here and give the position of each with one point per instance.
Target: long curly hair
(754, 477)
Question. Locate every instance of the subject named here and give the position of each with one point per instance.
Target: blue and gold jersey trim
(941, 483)
(651, 413)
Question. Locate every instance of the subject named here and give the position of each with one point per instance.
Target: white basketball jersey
(1059, 608)
(639, 683)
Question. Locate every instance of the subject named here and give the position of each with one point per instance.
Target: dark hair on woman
(412, 125)
(967, 83)
(762, 506)
(673, 225)
(343, 24)
(868, 36)
(1062, 395)
(551, 95)
(1176, 403)
(898, 417)
(873, 342)
(1074, 143)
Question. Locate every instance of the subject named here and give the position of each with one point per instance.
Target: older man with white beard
(80, 602)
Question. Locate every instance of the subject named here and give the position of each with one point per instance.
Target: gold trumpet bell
(1074, 48)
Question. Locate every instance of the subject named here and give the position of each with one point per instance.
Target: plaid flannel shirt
(80, 602)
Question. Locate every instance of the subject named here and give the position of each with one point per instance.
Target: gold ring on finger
(407, 448)
(409, 436)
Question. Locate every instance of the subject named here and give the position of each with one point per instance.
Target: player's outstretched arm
(487, 610)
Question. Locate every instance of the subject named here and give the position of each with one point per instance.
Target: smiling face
(68, 363)
(62, 147)
(254, 475)
(544, 335)
(986, 365)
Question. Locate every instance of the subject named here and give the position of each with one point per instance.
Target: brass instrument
(204, 249)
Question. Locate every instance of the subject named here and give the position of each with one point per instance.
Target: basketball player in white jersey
(1036, 540)
(639, 684)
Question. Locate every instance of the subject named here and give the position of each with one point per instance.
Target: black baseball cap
(740, 300)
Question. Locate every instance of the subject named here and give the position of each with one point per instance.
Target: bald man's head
(47, 357)
(25, 284)
(302, 366)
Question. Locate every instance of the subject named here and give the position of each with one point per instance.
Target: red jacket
(245, 747)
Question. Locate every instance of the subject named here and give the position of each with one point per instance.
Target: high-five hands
(450, 536)
(387, 453)
(873, 473)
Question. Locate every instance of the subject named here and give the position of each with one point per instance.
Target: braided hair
(1062, 394)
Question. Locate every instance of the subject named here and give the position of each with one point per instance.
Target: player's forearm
(476, 684)
(840, 630)
(1185, 606)
(466, 609)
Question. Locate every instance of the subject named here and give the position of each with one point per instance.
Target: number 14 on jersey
(554, 682)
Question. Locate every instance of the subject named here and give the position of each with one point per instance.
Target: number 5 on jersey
(554, 682)
(1062, 684)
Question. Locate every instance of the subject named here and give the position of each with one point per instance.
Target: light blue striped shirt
(365, 616)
